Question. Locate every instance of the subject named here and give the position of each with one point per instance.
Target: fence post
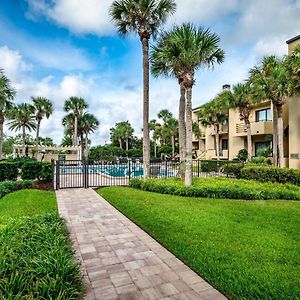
(57, 174)
(198, 168)
(166, 167)
(85, 173)
(129, 169)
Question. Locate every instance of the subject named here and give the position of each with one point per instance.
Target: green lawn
(36, 256)
(246, 249)
(26, 203)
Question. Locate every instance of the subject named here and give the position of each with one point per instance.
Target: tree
(214, 113)
(122, 131)
(7, 94)
(241, 98)
(22, 118)
(270, 80)
(46, 142)
(292, 63)
(43, 108)
(152, 126)
(180, 53)
(76, 106)
(88, 123)
(144, 17)
(197, 132)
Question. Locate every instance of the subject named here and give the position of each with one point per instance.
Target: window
(261, 145)
(263, 115)
(224, 144)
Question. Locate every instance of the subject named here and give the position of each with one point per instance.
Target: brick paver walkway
(119, 260)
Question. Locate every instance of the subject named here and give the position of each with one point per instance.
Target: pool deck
(121, 261)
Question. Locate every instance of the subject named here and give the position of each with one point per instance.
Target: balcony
(223, 129)
(257, 128)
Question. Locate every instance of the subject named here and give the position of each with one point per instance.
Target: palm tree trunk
(189, 134)
(120, 144)
(24, 139)
(173, 145)
(275, 135)
(86, 146)
(1, 137)
(155, 154)
(249, 139)
(217, 139)
(146, 138)
(127, 144)
(182, 131)
(280, 137)
(37, 135)
(75, 131)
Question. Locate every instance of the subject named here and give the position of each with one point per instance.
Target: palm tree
(172, 129)
(144, 17)
(88, 124)
(122, 132)
(292, 63)
(215, 114)
(181, 52)
(197, 132)
(43, 108)
(7, 94)
(152, 127)
(241, 98)
(270, 80)
(22, 118)
(76, 105)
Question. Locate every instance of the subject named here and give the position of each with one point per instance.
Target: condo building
(233, 136)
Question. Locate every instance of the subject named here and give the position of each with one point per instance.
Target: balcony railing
(257, 128)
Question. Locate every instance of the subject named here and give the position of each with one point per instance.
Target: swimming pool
(121, 170)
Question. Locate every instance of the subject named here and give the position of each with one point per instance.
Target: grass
(26, 203)
(220, 188)
(36, 256)
(246, 249)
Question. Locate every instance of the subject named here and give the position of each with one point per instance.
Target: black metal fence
(84, 174)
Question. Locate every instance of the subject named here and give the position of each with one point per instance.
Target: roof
(293, 39)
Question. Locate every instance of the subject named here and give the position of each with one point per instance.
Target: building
(233, 134)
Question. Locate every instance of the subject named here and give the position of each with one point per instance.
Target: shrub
(271, 174)
(233, 169)
(219, 188)
(11, 186)
(31, 170)
(8, 171)
(242, 155)
(46, 173)
(20, 161)
(36, 260)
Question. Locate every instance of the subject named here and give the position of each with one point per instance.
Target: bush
(233, 169)
(208, 166)
(36, 260)
(8, 171)
(20, 161)
(242, 155)
(46, 173)
(37, 170)
(271, 174)
(219, 188)
(11, 186)
(31, 170)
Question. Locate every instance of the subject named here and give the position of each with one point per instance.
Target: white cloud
(88, 16)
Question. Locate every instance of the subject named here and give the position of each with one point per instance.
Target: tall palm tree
(270, 80)
(152, 127)
(214, 113)
(88, 123)
(43, 108)
(182, 51)
(144, 17)
(292, 63)
(241, 98)
(76, 105)
(22, 118)
(7, 94)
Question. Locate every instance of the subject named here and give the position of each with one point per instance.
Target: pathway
(119, 260)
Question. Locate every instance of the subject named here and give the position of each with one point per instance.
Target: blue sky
(61, 48)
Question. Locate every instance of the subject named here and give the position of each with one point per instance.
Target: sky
(62, 48)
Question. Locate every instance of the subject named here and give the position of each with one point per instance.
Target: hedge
(212, 189)
(37, 170)
(20, 161)
(7, 187)
(271, 174)
(8, 171)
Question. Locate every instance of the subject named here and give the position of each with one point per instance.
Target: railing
(262, 127)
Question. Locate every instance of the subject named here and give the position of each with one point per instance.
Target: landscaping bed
(220, 188)
(36, 256)
(245, 249)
